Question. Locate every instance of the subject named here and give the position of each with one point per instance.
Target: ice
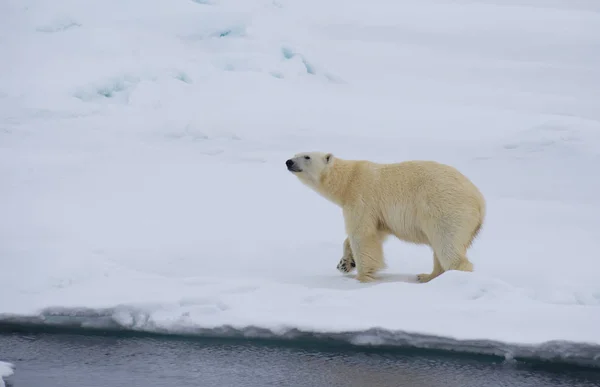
(142, 151)
(6, 370)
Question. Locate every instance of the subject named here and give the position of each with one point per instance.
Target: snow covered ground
(142, 151)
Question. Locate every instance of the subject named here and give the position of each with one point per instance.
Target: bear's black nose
(289, 163)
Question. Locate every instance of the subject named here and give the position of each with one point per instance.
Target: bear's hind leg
(346, 263)
(368, 255)
(450, 246)
(452, 258)
(437, 270)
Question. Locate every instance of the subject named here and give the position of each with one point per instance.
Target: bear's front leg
(346, 264)
(367, 251)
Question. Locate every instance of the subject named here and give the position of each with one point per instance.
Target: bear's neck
(335, 182)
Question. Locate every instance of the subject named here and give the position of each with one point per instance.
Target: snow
(6, 370)
(142, 151)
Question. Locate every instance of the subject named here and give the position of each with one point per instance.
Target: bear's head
(309, 167)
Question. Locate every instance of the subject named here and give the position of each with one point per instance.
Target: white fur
(422, 202)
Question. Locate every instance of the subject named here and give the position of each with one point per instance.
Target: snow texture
(6, 370)
(142, 151)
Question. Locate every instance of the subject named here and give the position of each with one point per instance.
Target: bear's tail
(476, 231)
(479, 226)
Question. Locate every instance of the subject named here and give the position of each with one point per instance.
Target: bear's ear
(328, 158)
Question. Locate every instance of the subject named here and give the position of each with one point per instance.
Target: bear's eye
(306, 157)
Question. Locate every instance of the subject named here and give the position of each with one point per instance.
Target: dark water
(76, 360)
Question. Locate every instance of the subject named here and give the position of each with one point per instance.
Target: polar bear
(421, 202)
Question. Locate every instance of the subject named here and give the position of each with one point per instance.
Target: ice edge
(6, 369)
(556, 351)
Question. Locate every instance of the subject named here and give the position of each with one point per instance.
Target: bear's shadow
(389, 277)
(349, 281)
